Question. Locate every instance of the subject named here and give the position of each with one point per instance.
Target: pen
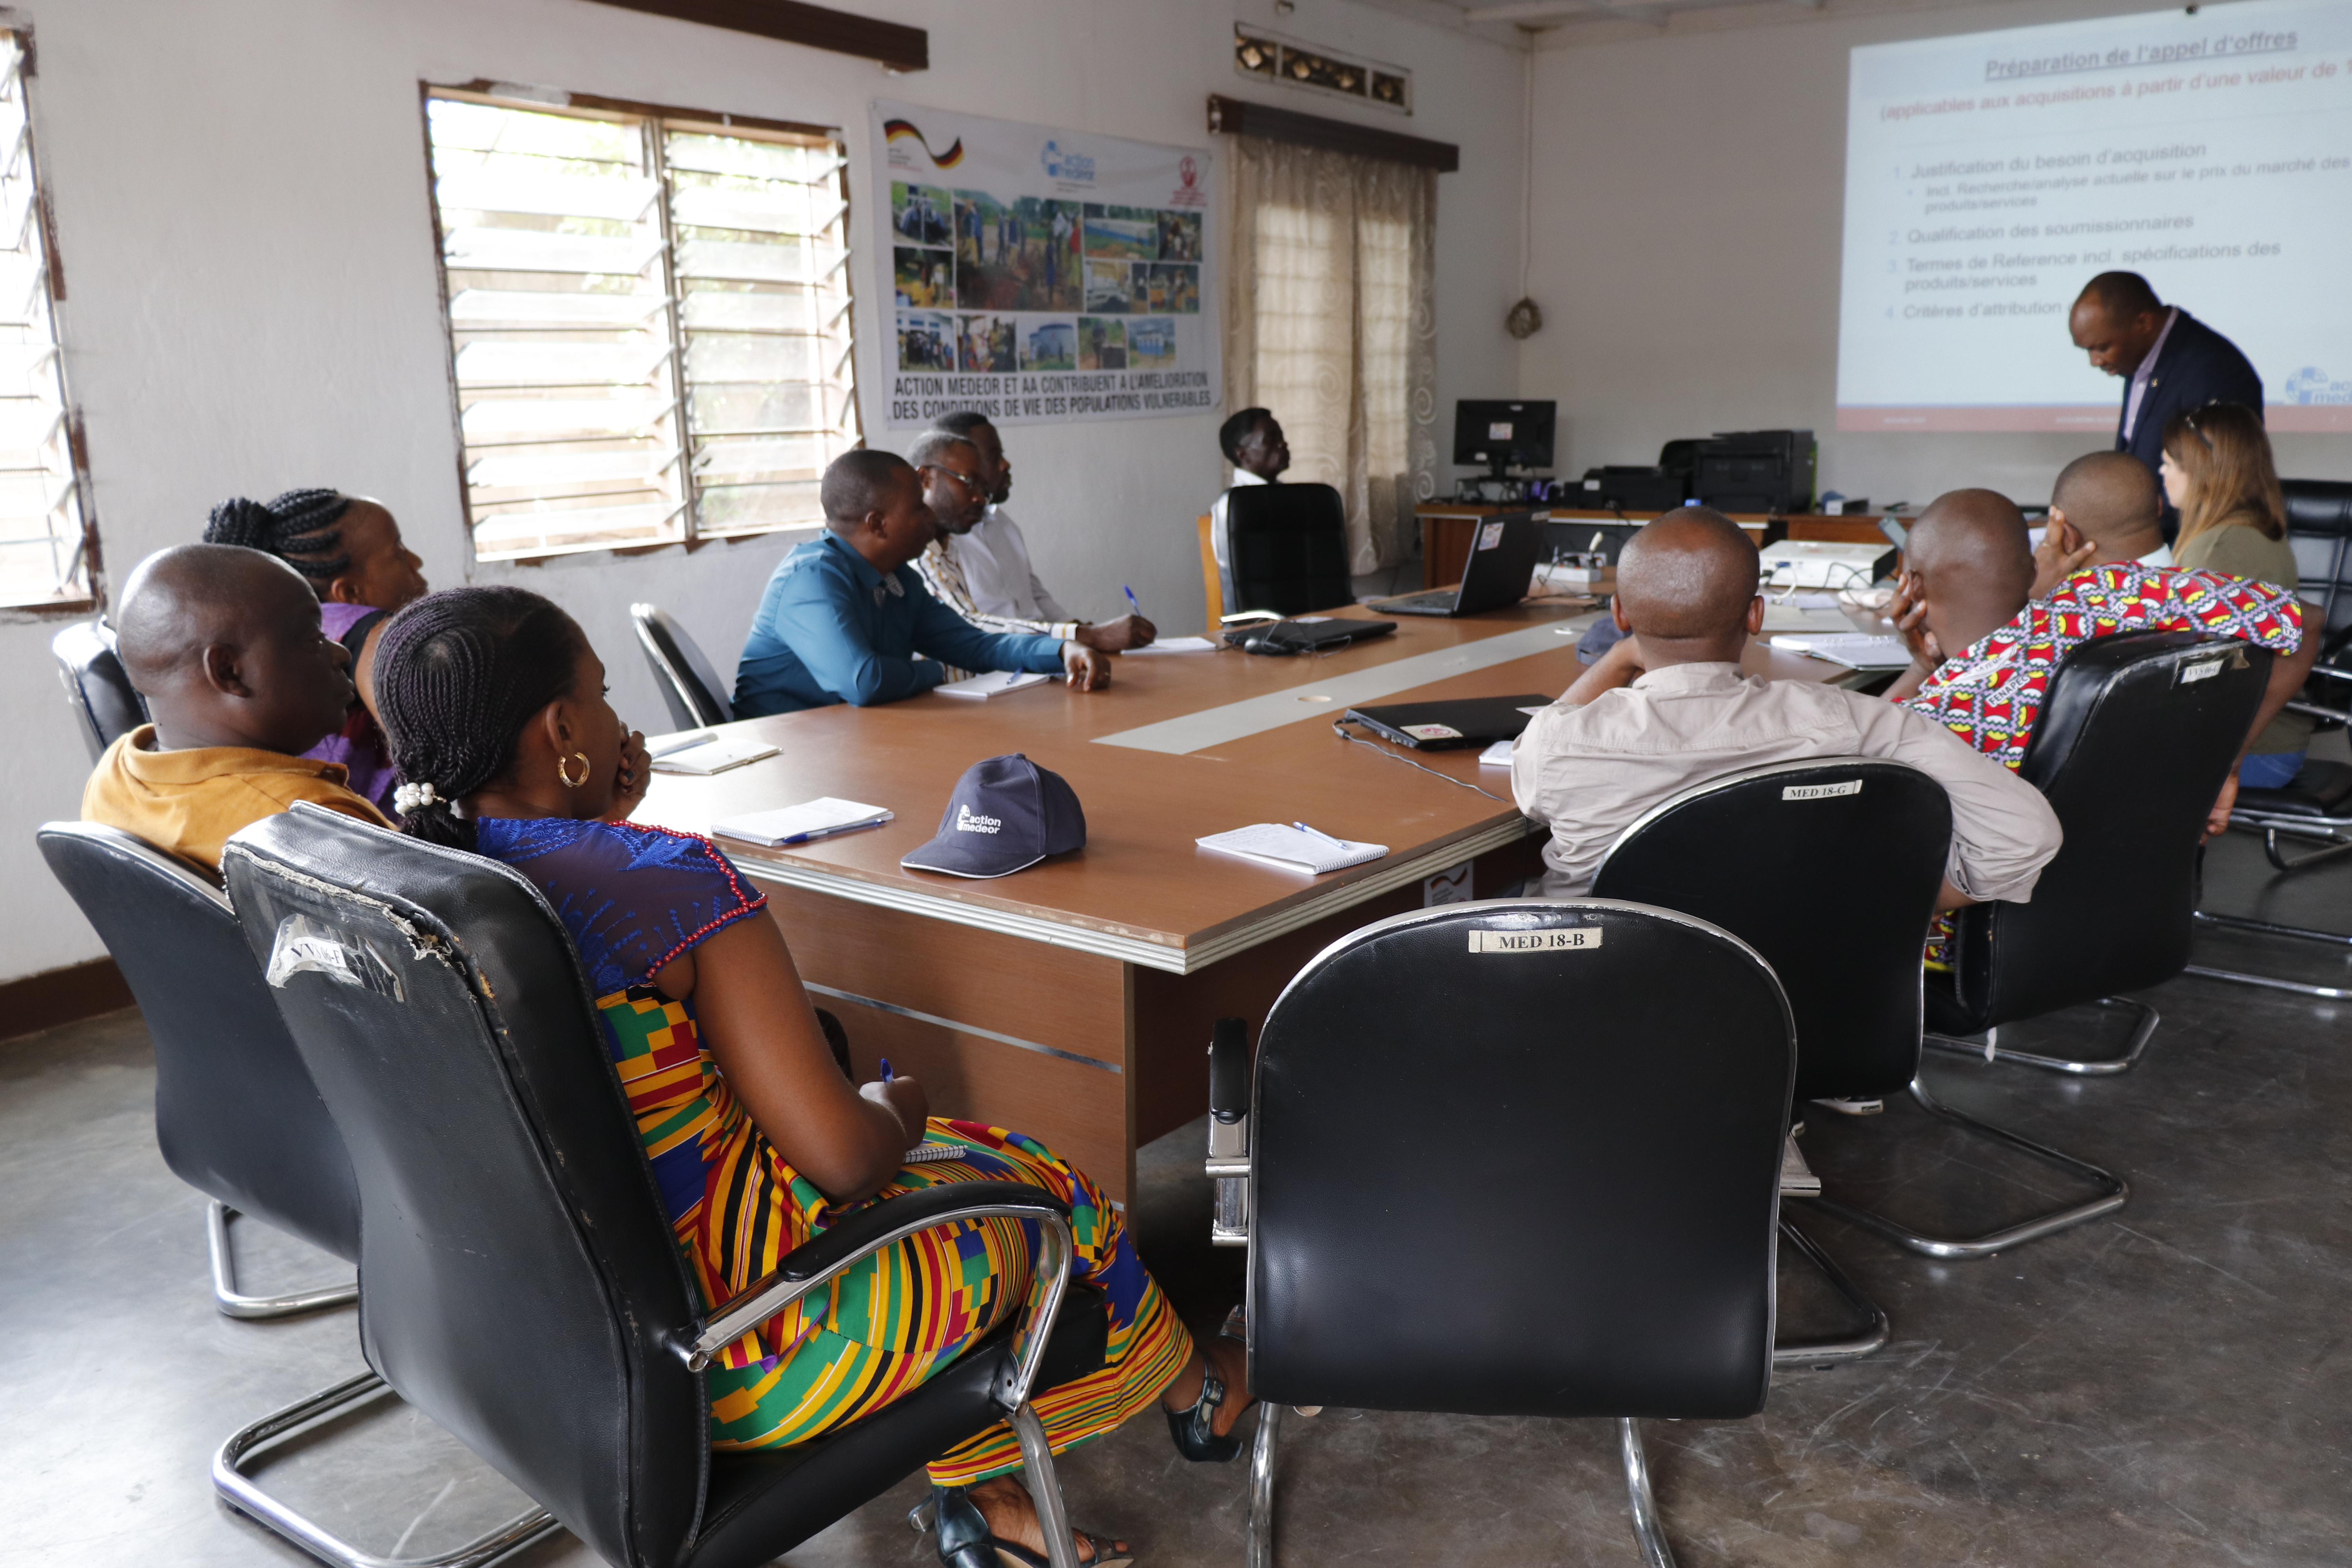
(1333, 843)
(1132, 607)
(886, 1070)
(683, 743)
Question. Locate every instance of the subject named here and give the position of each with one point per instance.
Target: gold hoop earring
(563, 766)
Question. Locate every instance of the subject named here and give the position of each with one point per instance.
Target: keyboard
(1430, 601)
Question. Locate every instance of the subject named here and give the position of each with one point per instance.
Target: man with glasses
(979, 567)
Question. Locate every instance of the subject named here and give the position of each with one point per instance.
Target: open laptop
(1502, 560)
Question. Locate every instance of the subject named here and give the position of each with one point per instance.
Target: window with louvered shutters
(649, 322)
(42, 555)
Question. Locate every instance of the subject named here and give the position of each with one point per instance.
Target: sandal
(965, 1540)
(1193, 1428)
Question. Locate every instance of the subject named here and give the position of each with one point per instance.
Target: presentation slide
(1989, 176)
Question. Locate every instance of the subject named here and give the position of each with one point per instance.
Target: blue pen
(1333, 843)
(886, 1070)
(1133, 608)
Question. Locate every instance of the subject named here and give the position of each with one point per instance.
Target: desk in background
(1446, 527)
(1074, 1000)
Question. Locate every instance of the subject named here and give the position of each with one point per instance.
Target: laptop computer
(1307, 634)
(1443, 726)
(1502, 559)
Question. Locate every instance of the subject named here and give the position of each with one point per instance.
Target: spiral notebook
(1272, 843)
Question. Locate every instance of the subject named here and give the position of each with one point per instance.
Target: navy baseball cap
(1006, 815)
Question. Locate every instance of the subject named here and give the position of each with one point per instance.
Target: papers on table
(819, 818)
(1273, 844)
(1855, 650)
(1498, 755)
(1780, 617)
(995, 683)
(706, 753)
(1177, 645)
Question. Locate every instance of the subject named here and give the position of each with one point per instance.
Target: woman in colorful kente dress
(495, 706)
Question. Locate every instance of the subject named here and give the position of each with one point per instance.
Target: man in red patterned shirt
(1967, 585)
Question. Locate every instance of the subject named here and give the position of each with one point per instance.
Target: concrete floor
(2166, 1386)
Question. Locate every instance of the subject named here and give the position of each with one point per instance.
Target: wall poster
(1043, 276)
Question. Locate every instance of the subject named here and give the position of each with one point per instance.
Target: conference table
(1074, 1000)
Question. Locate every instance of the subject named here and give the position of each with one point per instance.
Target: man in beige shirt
(1669, 708)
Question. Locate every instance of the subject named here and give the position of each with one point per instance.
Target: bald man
(2170, 362)
(1669, 707)
(2106, 506)
(225, 646)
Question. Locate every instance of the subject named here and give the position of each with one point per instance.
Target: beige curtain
(1330, 321)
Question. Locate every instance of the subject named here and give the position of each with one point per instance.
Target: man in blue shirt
(846, 619)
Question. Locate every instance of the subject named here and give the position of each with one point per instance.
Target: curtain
(1330, 321)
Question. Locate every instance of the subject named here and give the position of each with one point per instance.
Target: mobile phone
(1896, 532)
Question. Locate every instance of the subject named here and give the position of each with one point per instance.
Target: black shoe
(965, 1540)
(1195, 1438)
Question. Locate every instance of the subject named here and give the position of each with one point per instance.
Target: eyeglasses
(966, 480)
(2190, 420)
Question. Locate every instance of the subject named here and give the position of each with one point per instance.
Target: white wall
(1689, 190)
(242, 220)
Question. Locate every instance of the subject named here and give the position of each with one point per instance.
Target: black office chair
(1284, 549)
(2136, 734)
(1830, 868)
(518, 1281)
(689, 682)
(1568, 1117)
(104, 704)
(235, 1113)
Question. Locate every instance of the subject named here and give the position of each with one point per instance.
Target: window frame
(80, 591)
(665, 118)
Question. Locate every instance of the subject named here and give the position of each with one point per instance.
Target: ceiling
(1566, 24)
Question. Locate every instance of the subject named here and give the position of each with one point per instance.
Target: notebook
(995, 683)
(819, 818)
(712, 754)
(1177, 645)
(1273, 844)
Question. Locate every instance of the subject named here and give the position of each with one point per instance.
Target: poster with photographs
(1043, 275)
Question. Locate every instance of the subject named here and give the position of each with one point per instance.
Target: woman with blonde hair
(2218, 470)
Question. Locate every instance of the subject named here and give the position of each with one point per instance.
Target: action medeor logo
(1071, 168)
(967, 822)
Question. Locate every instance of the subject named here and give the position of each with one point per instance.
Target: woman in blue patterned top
(494, 703)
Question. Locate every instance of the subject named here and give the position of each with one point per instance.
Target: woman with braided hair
(349, 549)
(495, 706)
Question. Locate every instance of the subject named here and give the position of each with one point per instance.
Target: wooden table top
(1141, 889)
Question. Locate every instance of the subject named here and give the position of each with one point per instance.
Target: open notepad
(819, 818)
(1287, 847)
(710, 755)
(995, 683)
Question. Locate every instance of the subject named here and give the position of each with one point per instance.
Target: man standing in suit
(2172, 363)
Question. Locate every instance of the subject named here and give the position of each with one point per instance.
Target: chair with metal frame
(105, 705)
(235, 1113)
(2136, 735)
(688, 680)
(1830, 868)
(519, 1283)
(1569, 1114)
(2317, 805)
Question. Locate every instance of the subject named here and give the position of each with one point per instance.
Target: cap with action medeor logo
(1006, 814)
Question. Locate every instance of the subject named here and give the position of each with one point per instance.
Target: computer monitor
(1503, 436)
